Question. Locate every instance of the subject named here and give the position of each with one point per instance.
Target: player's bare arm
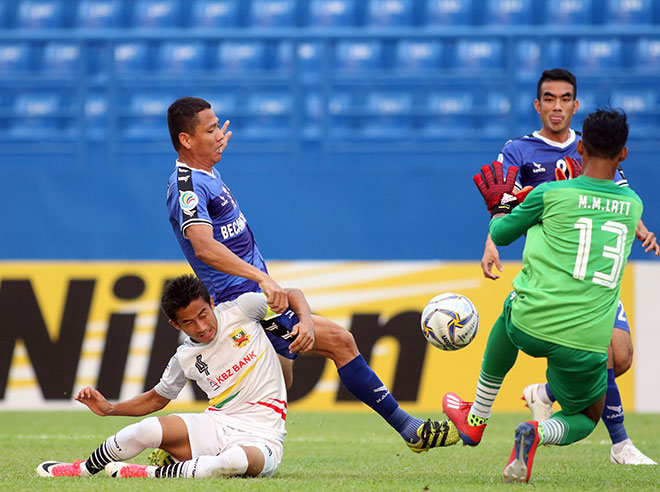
(304, 330)
(490, 257)
(217, 255)
(143, 404)
(648, 239)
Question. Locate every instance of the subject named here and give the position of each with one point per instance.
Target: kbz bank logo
(49, 309)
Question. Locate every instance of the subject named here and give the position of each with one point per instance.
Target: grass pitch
(335, 452)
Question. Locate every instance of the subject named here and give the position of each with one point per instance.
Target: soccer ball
(450, 321)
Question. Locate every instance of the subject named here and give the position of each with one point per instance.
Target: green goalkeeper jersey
(579, 235)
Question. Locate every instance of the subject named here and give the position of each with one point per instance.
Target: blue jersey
(537, 158)
(195, 196)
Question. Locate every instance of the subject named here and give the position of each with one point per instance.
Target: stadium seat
(150, 14)
(357, 56)
(309, 55)
(312, 118)
(240, 56)
(36, 114)
(450, 115)
(471, 55)
(388, 13)
(94, 14)
(215, 13)
(641, 109)
(132, 57)
(629, 12)
(145, 116)
(448, 13)
(529, 62)
(61, 59)
(509, 12)
(388, 114)
(417, 55)
(5, 14)
(646, 56)
(181, 57)
(224, 105)
(269, 116)
(332, 13)
(597, 55)
(494, 120)
(96, 117)
(341, 109)
(568, 12)
(40, 14)
(15, 57)
(272, 13)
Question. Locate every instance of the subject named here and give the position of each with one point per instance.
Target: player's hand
(305, 338)
(490, 257)
(276, 296)
(94, 400)
(226, 136)
(648, 239)
(573, 168)
(497, 191)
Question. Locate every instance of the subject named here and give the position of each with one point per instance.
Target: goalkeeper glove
(572, 166)
(498, 192)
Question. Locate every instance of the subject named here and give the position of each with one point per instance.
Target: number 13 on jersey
(615, 253)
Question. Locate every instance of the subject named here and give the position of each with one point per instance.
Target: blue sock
(613, 411)
(365, 385)
(548, 392)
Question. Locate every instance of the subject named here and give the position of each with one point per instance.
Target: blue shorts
(621, 320)
(279, 329)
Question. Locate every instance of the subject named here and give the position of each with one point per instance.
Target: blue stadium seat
(332, 13)
(629, 12)
(417, 55)
(641, 107)
(96, 117)
(509, 12)
(61, 58)
(269, 116)
(224, 105)
(390, 13)
(450, 115)
(240, 56)
(94, 14)
(132, 57)
(646, 56)
(341, 108)
(472, 55)
(214, 13)
(357, 56)
(40, 14)
(448, 13)
(150, 14)
(568, 12)
(529, 62)
(181, 57)
(5, 14)
(495, 117)
(15, 57)
(388, 114)
(36, 114)
(597, 55)
(145, 116)
(312, 118)
(309, 60)
(272, 13)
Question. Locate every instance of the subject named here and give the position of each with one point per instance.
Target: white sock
(230, 463)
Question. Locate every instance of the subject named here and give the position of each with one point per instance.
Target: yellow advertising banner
(65, 325)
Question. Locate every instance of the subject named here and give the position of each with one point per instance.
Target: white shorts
(208, 436)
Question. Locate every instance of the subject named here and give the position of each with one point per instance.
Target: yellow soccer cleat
(434, 434)
(160, 457)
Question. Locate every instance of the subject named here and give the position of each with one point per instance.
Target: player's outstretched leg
(519, 467)
(433, 434)
(470, 427)
(537, 400)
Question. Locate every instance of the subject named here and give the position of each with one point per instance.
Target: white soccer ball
(450, 321)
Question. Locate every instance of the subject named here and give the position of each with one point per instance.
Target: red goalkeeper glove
(498, 192)
(573, 168)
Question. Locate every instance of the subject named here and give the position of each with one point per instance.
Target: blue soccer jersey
(537, 158)
(195, 196)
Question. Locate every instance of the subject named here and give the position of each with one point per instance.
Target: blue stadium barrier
(332, 13)
(390, 13)
(152, 14)
(629, 12)
(445, 13)
(40, 14)
(95, 14)
(215, 13)
(568, 12)
(272, 13)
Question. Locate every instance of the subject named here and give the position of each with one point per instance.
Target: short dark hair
(180, 292)
(182, 117)
(556, 74)
(605, 132)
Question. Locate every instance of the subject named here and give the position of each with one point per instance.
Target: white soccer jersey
(239, 370)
